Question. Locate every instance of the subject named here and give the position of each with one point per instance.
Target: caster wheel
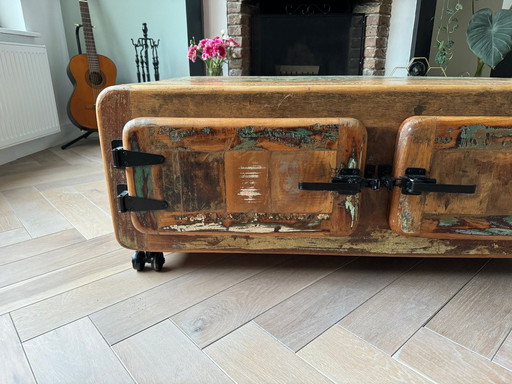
(139, 260)
(157, 260)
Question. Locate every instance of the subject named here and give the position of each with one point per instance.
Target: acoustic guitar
(90, 73)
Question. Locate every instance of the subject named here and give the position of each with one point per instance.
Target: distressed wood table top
(380, 105)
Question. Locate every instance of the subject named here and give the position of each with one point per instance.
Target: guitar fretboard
(90, 47)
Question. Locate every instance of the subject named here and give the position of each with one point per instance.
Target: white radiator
(27, 102)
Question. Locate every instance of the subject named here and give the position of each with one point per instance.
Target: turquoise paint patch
(315, 136)
(479, 136)
(487, 232)
(141, 176)
(448, 222)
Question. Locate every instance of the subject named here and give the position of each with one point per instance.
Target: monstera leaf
(489, 39)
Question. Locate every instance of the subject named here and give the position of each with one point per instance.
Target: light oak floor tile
(389, 318)
(97, 193)
(163, 354)
(47, 156)
(38, 216)
(83, 214)
(73, 157)
(504, 355)
(32, 247)
(214, 318)
(148, 308)
(14, 367)
(50, 261)
(58, 310)
(250, 355)
(14, 236)
(23, 164)
(345, 358)
(75, 353)
(38, 288)
(88, 148)
(8, 219)
(44, 174)
(304, 316)
(447, 362)
(480, 316)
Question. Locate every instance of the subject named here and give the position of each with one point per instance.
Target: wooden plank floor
(72, 310)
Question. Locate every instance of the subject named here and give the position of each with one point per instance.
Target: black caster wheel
(139, 260)
(157, 260)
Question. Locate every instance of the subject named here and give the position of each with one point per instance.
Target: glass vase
(214, 68)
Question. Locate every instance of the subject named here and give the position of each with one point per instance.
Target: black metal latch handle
(347, 182)
(415, 182)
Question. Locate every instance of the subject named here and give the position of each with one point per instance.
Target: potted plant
(490, 37)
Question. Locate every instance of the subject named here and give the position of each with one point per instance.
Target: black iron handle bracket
(123, 158)
(127, 203)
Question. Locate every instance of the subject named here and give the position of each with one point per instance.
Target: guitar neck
(90, 47)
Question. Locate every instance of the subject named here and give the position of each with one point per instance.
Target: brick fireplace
(377, 12)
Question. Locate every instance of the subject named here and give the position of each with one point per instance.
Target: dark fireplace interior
(313, 38)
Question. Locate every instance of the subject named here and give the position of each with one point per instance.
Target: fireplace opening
(307, 35)
(307, 40)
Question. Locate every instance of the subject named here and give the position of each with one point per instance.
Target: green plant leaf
(489, 39)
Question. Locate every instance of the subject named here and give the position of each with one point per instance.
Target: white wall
(11, 15)
(116, 22)
(400, 36)
(43, 17)
(215, 17)
(215, 20)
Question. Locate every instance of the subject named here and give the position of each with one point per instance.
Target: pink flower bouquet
(214, 52)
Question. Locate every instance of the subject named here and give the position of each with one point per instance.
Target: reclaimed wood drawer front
(456, 150)
(242, 175)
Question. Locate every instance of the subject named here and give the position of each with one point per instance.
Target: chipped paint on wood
(177, 135)
(248, 222)
(141, 175)
(351, 206)
(248, 187)
(381, 242)
(318, 136)
(406, 220)
(476, 226)
(479, 136)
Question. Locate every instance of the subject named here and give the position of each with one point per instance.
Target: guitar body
(87, 86)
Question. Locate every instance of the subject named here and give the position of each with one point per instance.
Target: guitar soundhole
(95, 78)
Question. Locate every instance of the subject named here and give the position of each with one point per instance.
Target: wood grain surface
(307, 98)
(26, 200)
(53, 312)
(242, 175)
(462, 151)
(45, 262)
(345, 358)
(248, 355)
(38, 288)
(391, 317)
(77, 289)
(117, 321)
(444, 361)
(163, 354)
(15, 367)
(75, 353)
(504, 355)
(306, 315)
(224, 312)
(481, 311)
